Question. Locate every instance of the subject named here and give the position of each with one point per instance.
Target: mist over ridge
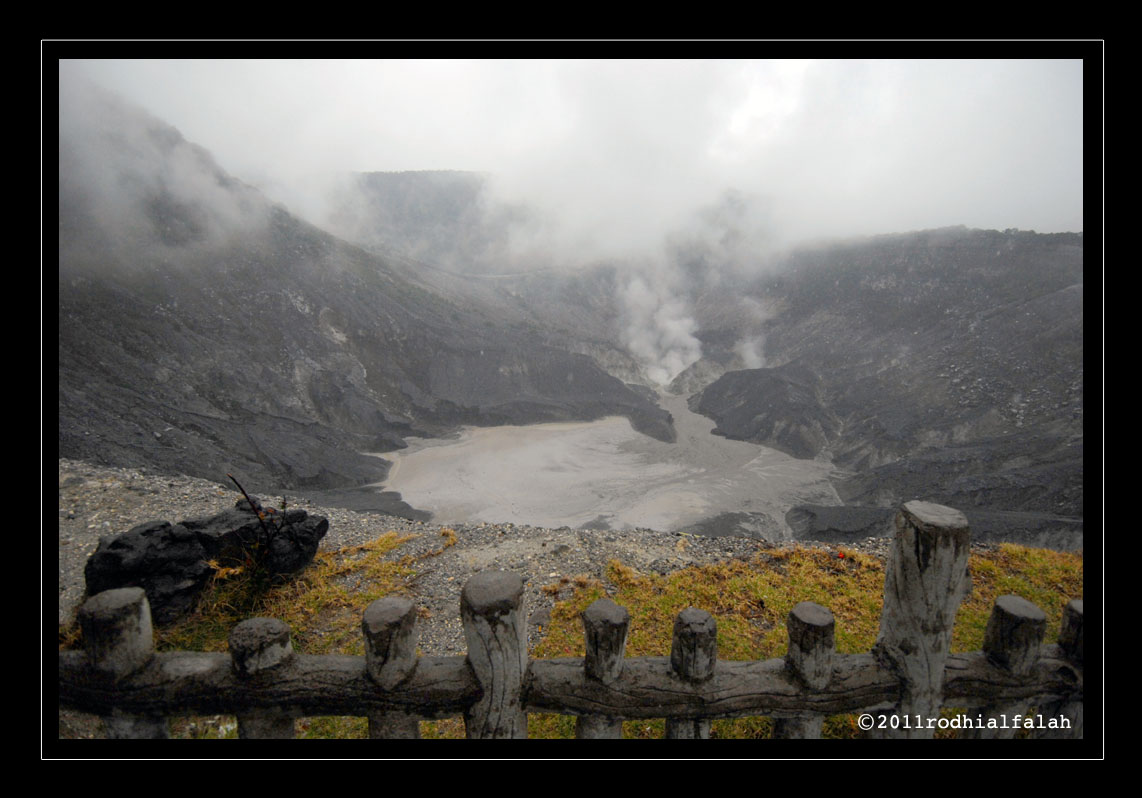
(611, 157)
(678, 173)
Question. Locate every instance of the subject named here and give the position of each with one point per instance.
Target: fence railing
(900, 686)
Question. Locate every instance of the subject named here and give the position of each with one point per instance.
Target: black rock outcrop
(230, 535)
(171, 562)
(167, 561)
(851, 524)
(780, 408)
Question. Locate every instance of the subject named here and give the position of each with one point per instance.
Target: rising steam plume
(659, 327)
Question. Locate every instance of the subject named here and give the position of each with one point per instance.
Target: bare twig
(268, 535)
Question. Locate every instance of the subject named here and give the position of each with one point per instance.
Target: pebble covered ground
(98, 500)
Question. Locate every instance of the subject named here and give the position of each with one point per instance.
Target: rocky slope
(203, 330)
(780, 407)
(946, 364)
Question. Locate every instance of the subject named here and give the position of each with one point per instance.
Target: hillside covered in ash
(204, 330)
(945, 363)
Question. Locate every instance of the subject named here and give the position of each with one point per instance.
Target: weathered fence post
(491, 609)
(1070, 707)
(389, 628)
(1071, 631)
(258, 646)
(810, 659)
(926, 579)
(693, 655)
(605, 628)
(1011, 641)
(118, 638)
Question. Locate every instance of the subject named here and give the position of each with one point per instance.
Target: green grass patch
(1048, 579)
(322, 605)
(751, 602)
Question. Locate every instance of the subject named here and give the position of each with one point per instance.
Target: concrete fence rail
(900, 685)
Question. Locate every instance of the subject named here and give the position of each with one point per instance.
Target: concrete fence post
(605, 629)
(925, 581)
(693, 657)
(491, 609)
(119, 641)
(1071, 631)
(389, 628)
(1012, 642)
(258, 647)
(1071, 707)
(809, 659)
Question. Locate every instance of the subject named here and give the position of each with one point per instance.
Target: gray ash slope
(204, 330)
(946, 364)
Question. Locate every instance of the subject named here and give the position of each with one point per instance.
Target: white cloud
(618, 153)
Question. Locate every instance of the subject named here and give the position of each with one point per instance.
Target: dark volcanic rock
(842, 524)
(170, 562)
(780, 408)
(231, 535)
(949, 366)
(1026, 472)
(758, 526)
(1040, 530)
(368, 500)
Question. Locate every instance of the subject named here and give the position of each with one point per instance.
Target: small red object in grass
(840, 555)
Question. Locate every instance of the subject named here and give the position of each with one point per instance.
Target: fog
(622, 153)
(643, 163)
(120, 168)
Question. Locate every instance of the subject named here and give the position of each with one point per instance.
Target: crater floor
(603, 474)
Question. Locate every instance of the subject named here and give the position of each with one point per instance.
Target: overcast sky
(622, 152)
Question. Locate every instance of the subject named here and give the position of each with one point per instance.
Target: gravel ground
(97, 500)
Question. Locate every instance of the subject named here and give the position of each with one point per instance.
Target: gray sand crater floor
(604, 474)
